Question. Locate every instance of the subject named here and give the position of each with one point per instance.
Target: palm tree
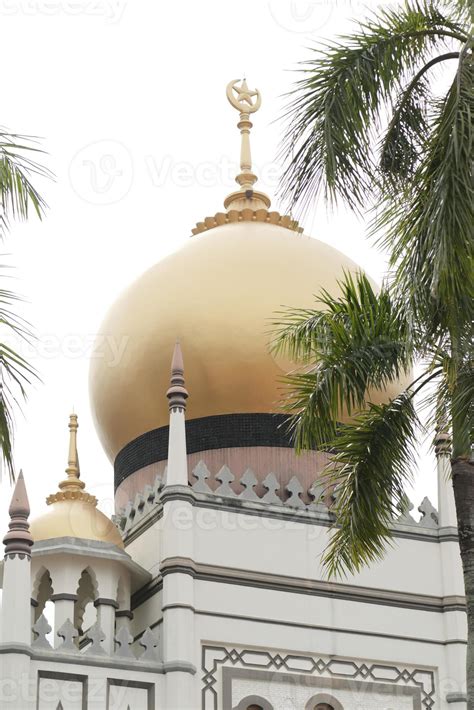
(18, 197)
(367, 127)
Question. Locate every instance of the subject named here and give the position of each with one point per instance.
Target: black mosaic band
(224, 431)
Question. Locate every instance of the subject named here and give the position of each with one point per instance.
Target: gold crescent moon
(248, 106)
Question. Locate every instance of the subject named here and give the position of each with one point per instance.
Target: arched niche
(254, 702)
(85, 614)
(323, 701)
(42, 593)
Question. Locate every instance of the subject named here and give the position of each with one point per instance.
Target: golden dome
(219, 294)
(72, 512)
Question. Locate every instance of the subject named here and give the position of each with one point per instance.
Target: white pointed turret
(177, 542)
(17, 570)
(177, 473)
(446, 504)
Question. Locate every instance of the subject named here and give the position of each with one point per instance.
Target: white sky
(130, 100)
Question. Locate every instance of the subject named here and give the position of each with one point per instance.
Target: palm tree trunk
(463, 484)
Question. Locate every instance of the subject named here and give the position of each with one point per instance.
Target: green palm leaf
(358, 341)
(15, 372)
(429, 228)
(335, 110)
(371, 469)
(18, 196)
(17, 169)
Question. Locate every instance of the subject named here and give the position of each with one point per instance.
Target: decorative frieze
(224, 488)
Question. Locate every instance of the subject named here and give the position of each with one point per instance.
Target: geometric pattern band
(213, 657)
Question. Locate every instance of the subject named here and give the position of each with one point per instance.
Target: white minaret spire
(178, 543)
(177, 394)
(18, 540)
(16, 599)
(16, 615)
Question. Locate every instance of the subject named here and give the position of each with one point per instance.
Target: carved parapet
(131, 514)
(148, 641)
(429, 515)
(224, 488)
(40, 631)
(94, 637)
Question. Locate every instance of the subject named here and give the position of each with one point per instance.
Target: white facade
(240, 614)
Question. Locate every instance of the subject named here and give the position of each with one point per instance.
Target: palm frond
(373, 464)
(358, 341)
(15, 372)
(406, 132)
(17, 169)
(335, 109)
(429, 228)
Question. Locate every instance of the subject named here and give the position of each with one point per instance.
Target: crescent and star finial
(246, 101)
(240, 97)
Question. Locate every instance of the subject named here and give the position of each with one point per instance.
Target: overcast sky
(129, 98)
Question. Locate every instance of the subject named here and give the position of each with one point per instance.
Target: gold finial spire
(246, 204)
(246, 101)
(72, 487)
(73, 459)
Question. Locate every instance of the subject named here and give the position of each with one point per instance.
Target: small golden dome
(72, 511)
(75, 518)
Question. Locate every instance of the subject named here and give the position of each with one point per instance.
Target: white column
(106, 620)
(179, 652)
(446, 504)
(453, 686)
(63, 611)
(177, 550)
(16, 604)
(108, 575)
(177, 466)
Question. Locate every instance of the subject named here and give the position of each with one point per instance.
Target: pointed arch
(87, 593)
(42, 591)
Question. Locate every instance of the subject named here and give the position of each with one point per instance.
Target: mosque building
(206, 590)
